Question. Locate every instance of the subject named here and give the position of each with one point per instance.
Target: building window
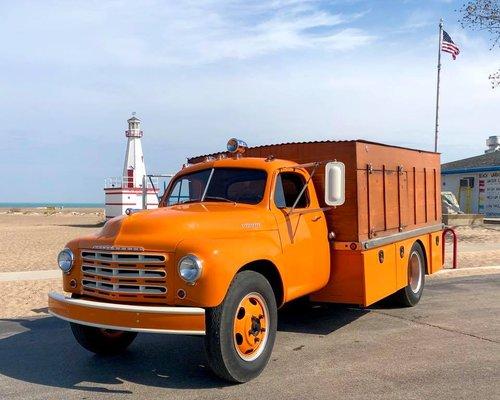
(467, 182)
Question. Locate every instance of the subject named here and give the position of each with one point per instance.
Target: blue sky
(198, 72)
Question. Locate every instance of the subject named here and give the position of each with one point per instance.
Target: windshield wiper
(219, 199)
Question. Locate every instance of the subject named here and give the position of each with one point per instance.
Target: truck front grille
(124, 276)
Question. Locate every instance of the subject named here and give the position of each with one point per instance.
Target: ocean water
(49, 204)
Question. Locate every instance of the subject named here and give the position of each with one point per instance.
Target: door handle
(316, 218)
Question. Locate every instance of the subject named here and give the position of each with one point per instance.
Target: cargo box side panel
(433, 195)
(383, 194)
(436, 255)
(398, 190)
(346, 284)
(380, 273)
(411, 198)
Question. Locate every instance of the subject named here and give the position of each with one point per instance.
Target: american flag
(449, 46)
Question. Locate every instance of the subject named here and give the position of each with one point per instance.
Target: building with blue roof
(475, 181)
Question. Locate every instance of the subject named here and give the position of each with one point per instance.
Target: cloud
(128, 33)
(347, 39)
(419, 18)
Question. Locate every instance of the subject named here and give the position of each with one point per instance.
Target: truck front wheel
(102, 341)
(240, 332)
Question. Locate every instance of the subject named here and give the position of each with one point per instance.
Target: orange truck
(240, 233)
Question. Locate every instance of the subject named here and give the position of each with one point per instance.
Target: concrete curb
(449, 272)
(30, 275)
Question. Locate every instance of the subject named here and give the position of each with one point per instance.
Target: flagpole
(438, 81)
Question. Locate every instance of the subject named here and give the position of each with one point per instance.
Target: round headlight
(65, 260)
(190, 268)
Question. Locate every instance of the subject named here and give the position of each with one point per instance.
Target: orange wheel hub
(250, 326)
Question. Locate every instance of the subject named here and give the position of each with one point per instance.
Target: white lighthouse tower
(133, 189)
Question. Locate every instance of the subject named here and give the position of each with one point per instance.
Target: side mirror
(334, 183)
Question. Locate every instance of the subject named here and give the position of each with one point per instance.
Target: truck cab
(234, 238)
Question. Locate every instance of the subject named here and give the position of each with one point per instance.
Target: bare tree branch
(484, 15)
(495, 79)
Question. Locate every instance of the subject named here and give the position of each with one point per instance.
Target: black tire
(410, 295)
(102, 341)
(223, 353)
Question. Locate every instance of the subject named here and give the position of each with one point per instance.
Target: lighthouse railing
(123, 182)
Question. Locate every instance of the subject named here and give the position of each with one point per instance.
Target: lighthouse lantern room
(133, 189)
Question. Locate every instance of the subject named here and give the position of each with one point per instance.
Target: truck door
(303, 234)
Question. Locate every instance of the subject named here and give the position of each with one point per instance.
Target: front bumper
(125, 317)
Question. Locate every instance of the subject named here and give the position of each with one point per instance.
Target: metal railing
(454, 235)
(155, 182)
(128, 182)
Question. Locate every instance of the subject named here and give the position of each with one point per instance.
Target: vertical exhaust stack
(493, 144)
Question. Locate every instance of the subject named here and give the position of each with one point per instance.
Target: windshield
(239, 185)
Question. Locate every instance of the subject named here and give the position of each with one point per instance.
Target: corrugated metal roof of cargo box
(196, 159)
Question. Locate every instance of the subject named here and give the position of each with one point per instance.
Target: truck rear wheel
(102, 341)
(240, 332)
(410, 295)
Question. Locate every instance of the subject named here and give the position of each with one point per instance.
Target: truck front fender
(221, 260)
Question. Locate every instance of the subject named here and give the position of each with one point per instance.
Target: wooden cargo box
(389, 189)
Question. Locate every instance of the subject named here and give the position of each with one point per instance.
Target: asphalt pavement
(448, 347)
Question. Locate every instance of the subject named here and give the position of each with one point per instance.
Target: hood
(163, 228)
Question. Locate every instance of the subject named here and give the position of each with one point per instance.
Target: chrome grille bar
(118, 275)
(123, 258)
(123, 272)
(122, 287)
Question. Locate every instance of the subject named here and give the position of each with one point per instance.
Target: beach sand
(26, 298)
(478, 246)
(30, 240)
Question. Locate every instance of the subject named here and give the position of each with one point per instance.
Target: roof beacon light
(236, 146)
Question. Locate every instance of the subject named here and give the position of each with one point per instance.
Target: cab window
(239, 185)
(288, 187)
(188, 188)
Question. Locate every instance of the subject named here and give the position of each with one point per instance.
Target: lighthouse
(133, 189)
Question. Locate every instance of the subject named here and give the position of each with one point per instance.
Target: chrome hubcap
(415, 272)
